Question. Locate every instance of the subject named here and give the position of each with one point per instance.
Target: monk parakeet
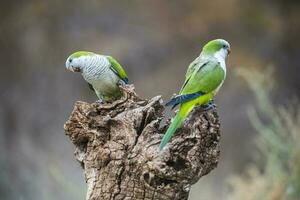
(103, 73)
(204, 77)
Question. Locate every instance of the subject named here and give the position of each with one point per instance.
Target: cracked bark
(117, 146)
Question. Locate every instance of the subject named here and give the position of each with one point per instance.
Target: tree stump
(117, 146)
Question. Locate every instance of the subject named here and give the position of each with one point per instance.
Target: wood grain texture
(117, 147)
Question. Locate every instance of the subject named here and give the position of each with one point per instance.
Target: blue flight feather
(183, 98)
(125, 80)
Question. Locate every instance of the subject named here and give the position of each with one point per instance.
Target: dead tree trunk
(117, 146)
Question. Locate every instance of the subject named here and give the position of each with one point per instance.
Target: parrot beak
(75, 69)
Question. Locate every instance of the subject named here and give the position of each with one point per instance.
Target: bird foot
(210, 105)
(121, 83)
(100, 101)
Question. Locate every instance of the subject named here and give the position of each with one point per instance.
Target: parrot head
(218, 47)
(75, 62)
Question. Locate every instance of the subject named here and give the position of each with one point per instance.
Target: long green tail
(184, 110)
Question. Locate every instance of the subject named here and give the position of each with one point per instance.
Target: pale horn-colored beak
(75, 69)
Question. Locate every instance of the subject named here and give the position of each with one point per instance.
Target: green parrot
(204, 77)
(103, 73)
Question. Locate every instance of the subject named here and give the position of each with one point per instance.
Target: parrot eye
(70, 60)
(224, 46)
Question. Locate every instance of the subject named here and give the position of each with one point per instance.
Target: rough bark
(117, 146)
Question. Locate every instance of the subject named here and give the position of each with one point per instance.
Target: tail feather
(183, 98)
(126, 81)
(184, 110)
(171, 130)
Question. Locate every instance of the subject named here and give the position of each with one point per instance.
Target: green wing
(192, 66)
(205, 77)
(197, 63)
(118, 69)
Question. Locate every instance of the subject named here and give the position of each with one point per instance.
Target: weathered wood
(117, 146)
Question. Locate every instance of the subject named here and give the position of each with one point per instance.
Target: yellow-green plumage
(184, 110)
(204, 77)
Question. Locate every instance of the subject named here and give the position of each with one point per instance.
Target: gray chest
(105, 82)
(98, 73)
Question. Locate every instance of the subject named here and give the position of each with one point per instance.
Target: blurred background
(154, 41)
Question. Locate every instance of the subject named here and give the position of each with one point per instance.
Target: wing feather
(203, 76)
(118, 69)
(196, 64)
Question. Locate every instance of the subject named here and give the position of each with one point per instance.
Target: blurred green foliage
(278, 139)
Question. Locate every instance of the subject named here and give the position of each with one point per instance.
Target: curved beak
(74, 69)
(229, 51)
